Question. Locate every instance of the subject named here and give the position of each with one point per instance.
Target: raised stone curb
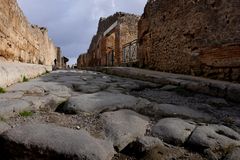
(13, 72)
(196, 84)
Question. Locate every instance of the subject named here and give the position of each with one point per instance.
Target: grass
(26, 114)
(25, 79)
(2, 119)
(2, 90)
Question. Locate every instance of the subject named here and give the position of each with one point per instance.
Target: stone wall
(21, 41)
(107, 45)
(198, 37)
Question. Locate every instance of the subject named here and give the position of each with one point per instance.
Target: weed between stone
(2, 119)
(2, 90)
(25, 79)
(26, 113)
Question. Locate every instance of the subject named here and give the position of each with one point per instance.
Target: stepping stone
(123, 127)
(173, 130)
(99, 102)
(44, 141)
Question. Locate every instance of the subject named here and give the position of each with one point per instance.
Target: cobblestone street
(115, 117)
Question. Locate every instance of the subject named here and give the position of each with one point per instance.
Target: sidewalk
(13, 72)
(211, 87)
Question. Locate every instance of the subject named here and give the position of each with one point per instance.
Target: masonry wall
(128, 32)
(198, 37)
(101, 47)
(21, 41)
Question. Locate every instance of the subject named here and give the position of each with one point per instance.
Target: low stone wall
(13, 72)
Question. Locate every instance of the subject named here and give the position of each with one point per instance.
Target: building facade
(109, 44)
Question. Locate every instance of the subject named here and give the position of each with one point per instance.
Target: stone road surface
(90, 115)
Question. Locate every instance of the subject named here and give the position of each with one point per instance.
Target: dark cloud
(72, 23)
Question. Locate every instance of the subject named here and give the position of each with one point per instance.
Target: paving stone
(99, 102)
(10, 107)
(129, 86)
(147, 143)
(4, 127)
(216, 138)
(233, 92)
(173, 130)
(123, 127)
(42, 141)
(169, 87)
(48, 102)
(32, 86)
(234, 154)
(217, 102)
(168, 152)
(89, 88)
(176, 111)
(11, 95)
(141, 146)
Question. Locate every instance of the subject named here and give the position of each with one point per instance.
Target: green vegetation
(26, 113)
(25, 79)
(47, 72)
(2, 119)
(2, 90)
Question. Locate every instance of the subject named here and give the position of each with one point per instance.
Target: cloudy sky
(72, 23)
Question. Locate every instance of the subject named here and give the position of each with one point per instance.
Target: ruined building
(114, 44)
(61, 61)
(64, 62)
(197, 37)
(25, 49)
(21, 41)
